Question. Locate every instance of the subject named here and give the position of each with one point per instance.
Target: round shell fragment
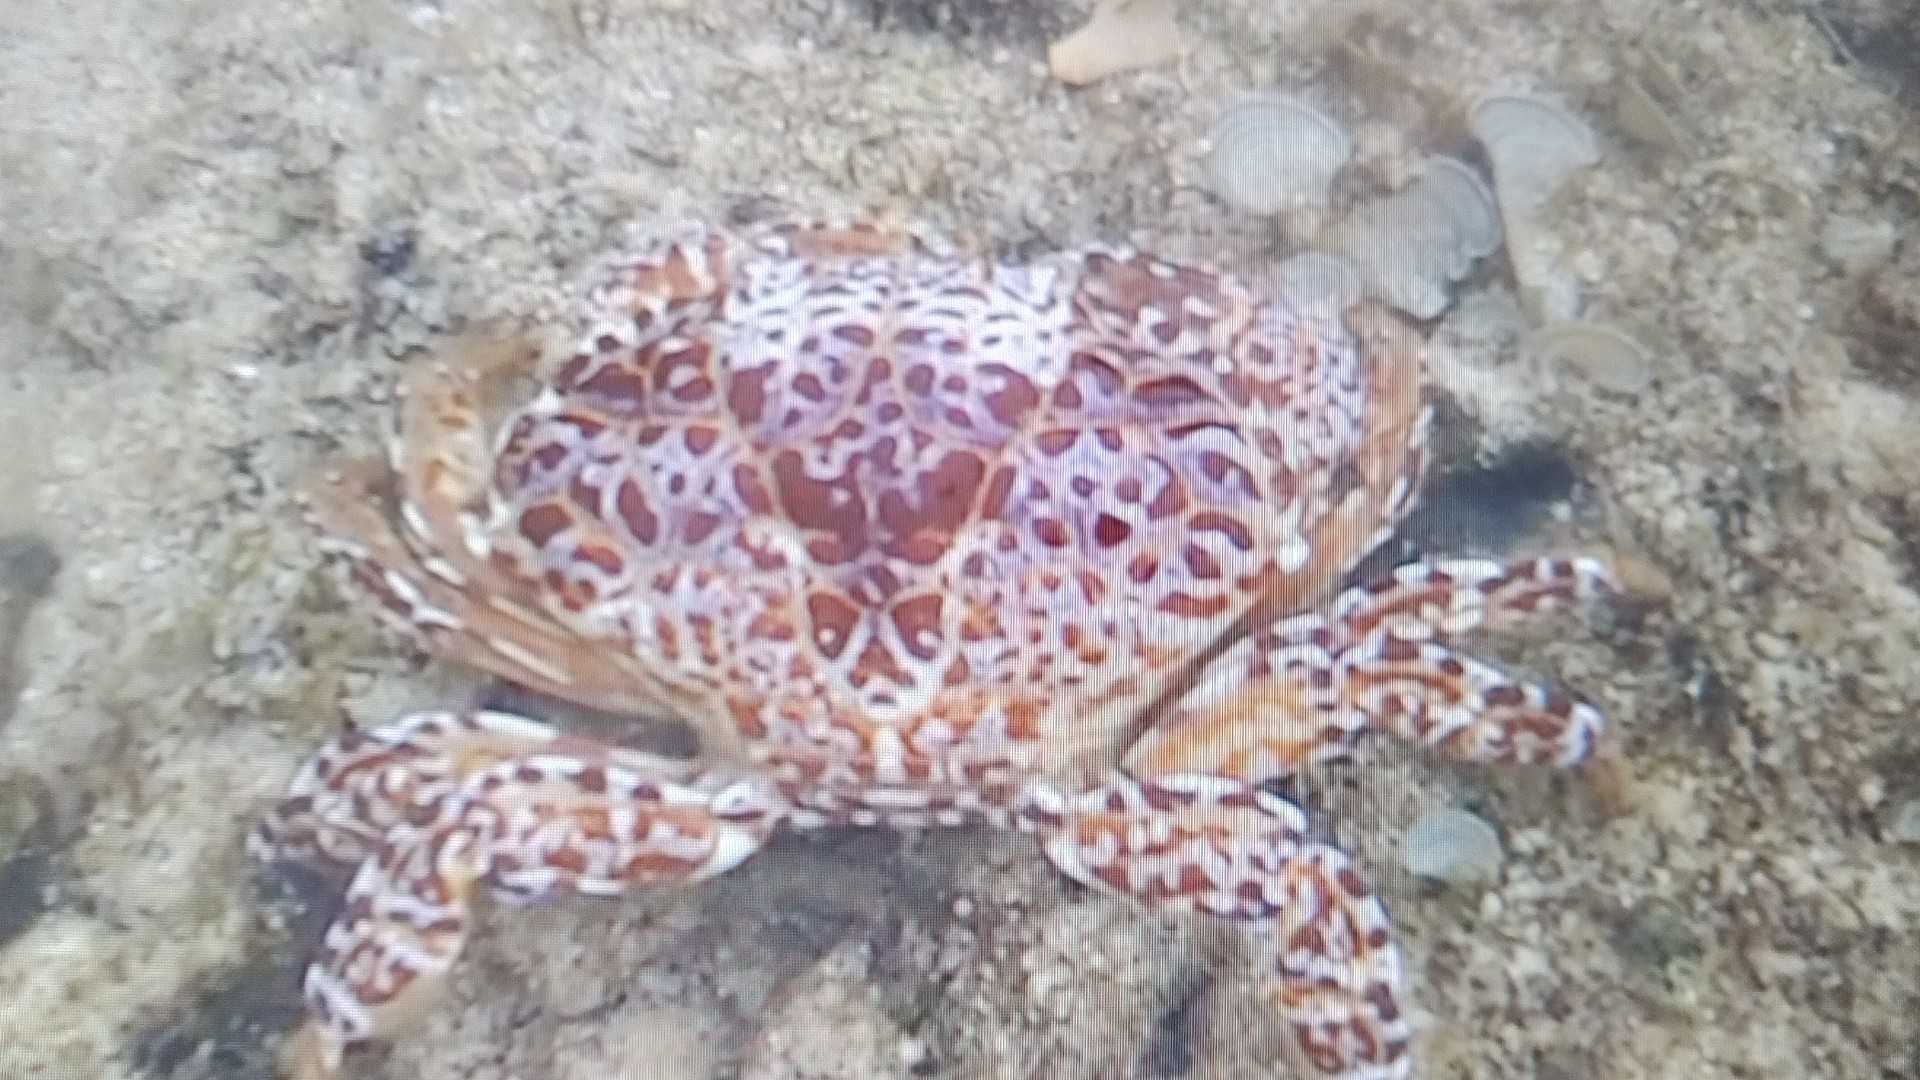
(1534, 144)
(1453, 846)
(1273, 153)
(1468, 200)
(1320, 282)
(1412, 245)
(1412, 275)
(1599, 352)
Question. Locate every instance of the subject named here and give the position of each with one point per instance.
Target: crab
(919, 540)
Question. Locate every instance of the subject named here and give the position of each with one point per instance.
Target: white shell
(1404, 248)
(1410, 246)
(1320, 282)
(1452, 846)
(1601, 353)
(1549, 289)
(1476, 215)
(1906, 822)
(1273, 153)
(1534, 144)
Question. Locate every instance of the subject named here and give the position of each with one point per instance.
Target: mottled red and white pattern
(912, 539)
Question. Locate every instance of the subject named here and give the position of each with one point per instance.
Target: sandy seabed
(226, 227)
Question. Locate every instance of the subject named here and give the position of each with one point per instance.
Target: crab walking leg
(1447, 598)
(1222, 847)
(1305, 689)
(1398, 672)
(563, 817)
(364, 784)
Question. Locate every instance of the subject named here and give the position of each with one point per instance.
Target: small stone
(1771, 646)
(1872, 792)
(1906, 823)
(1857, 244)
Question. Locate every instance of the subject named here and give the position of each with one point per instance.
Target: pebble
(1872, 792)
(1906, 823)
(1771, 646)
(1856, 244)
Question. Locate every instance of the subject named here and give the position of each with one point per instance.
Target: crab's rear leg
(363, 784)
(473, 613)
(419, 532)
(440, 807)
(1380, 657)
(1226, 848)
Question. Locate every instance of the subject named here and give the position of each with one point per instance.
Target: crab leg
(475, 615)
(439, 805)
(1405, 680)
(363, 784)
(1304, 690)
(1226, 848)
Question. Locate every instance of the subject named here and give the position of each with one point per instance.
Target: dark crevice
(1479, 508)
(222, 1032)
(1882, 40)
(28, 566)
(1169, 1049)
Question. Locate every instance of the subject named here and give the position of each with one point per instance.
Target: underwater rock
(1121, 36)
